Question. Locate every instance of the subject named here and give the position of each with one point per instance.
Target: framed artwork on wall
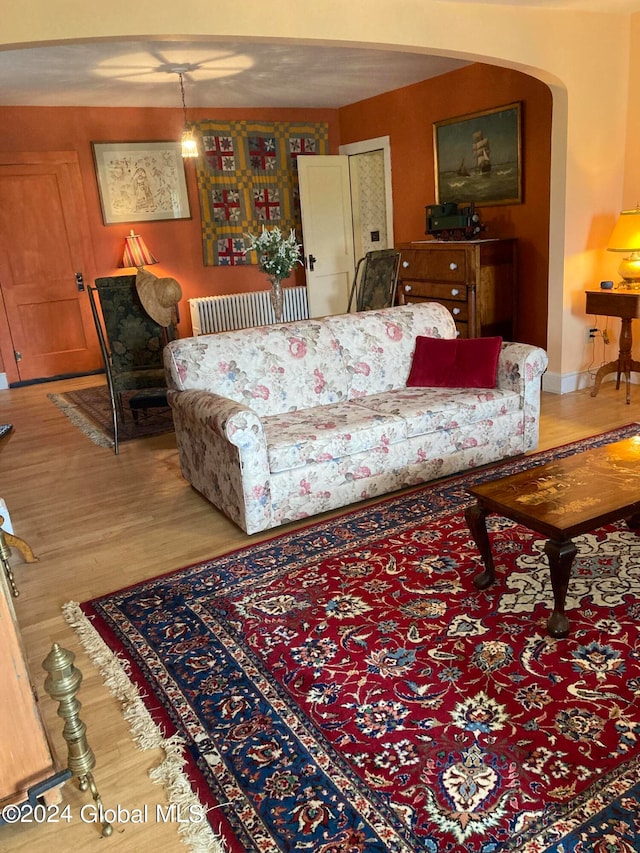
(478, 157)
(140, 181)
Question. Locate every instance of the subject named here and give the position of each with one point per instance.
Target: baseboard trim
(565, 383)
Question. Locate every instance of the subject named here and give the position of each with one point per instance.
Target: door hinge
(17, 355)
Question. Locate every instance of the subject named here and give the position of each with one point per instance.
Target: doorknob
(80, 281)
(312, 261)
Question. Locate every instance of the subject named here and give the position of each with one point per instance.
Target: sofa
(281, 422)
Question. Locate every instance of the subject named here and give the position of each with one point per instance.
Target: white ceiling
(218, 74)
(225, 73)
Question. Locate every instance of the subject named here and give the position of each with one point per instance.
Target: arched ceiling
(221, 73)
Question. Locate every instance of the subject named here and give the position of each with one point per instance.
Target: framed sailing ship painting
(478, 157)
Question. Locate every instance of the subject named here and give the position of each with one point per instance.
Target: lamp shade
(625, 237)
(136, 253)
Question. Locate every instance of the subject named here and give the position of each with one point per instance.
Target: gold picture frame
(478, 157)
(141, 181)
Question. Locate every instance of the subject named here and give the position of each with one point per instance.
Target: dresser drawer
(458, 310)
(433, 290)
(445, 265)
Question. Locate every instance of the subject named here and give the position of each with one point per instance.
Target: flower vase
(277, 299)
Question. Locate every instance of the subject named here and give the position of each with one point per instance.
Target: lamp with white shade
(625, 237)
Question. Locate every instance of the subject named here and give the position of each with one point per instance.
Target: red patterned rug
(346, 689)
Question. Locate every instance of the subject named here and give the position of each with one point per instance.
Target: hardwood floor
(99, 522)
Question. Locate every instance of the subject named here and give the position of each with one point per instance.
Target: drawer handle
(407, 288)
(455, 311)
(453, 266)
(455, 291)
(405, 264)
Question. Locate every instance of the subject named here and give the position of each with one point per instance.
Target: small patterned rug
(90, 410)
(345, 688)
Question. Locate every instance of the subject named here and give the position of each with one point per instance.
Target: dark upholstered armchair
(130, 341)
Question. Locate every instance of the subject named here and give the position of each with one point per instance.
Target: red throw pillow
(457, 363)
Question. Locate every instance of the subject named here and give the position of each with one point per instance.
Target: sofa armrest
(223, 454)
(225, 417)
(520, 369)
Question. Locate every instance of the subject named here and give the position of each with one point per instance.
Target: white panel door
(327, 230)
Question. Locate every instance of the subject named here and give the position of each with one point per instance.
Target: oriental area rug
(89, 409)
(346, 689)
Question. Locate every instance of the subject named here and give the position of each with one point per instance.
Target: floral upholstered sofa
(280, 422)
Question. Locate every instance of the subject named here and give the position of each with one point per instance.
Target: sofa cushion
(460, 363)
(428, 409)
(271, 369)
(377, 346)
(326, 433)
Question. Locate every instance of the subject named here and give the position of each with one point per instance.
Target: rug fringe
(77, 418)
(199, 836)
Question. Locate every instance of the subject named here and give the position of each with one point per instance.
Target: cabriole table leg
(475, 517)
(560, 556)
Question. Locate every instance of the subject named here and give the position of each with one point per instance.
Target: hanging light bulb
(189, 143)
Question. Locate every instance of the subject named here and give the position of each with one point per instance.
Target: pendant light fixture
(189, 144)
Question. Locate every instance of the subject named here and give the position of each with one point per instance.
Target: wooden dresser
(476, 280)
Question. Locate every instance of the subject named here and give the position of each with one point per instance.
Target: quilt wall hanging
(248, 178)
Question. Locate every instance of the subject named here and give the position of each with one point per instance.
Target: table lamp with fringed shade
(625, 237)
(136, 253)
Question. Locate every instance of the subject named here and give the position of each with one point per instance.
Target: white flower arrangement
(277, 254)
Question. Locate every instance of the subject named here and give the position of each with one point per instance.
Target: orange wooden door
(42, 248)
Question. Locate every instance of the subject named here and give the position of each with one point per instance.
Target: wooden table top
(570, 496)
(620, 302)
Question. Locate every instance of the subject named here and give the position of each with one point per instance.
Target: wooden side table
(623, 303)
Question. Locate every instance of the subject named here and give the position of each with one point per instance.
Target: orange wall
(177, 243)
(406, 115)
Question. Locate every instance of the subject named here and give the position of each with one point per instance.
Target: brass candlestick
(62, 684)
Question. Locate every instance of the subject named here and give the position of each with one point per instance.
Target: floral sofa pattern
(280, 422)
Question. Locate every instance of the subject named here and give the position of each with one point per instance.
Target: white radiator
(242, 310)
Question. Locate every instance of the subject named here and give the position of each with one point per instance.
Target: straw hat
(159, 296)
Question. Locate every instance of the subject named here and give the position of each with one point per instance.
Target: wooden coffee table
(561, 500)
